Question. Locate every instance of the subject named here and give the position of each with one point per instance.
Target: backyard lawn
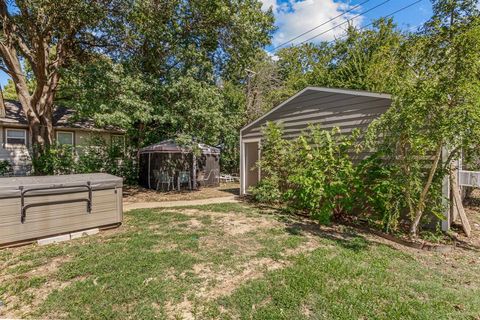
(235, 261)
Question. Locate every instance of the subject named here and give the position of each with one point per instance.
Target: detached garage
(329, 108)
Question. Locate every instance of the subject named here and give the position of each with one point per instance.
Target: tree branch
(10, 31)
(426, 189)
(451, 156)
(4, 69)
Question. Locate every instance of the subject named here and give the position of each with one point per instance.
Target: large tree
(362, 59)
(436, 109)
(446, 93)
(185, 60)
(216, 38)
(37, 39)
(118, 60)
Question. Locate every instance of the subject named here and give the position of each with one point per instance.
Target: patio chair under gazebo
(168, 166)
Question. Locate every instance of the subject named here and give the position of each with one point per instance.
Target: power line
(347, 21)
(384, 17)
(320, 25)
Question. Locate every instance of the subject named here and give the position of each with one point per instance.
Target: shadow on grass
(298, 225)
(234, 191)
(347, 239)
(296, 222)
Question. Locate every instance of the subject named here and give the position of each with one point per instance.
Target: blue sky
(295, 17)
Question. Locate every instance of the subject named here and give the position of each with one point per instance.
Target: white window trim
(15, 144)
(68, 132)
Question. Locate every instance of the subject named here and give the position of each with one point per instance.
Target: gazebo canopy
(170, 146)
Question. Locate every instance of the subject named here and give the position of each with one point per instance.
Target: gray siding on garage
(346, 109)
(328, 108)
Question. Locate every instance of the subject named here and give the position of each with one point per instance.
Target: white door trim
(243, 175)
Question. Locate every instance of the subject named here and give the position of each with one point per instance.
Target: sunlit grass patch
(231, 261)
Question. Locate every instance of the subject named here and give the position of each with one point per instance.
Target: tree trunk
(41, 133)
(423, 195)
(37, 104)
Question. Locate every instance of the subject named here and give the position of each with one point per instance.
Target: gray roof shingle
(62, 118)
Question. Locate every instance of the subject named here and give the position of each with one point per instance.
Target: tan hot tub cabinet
(38, 207)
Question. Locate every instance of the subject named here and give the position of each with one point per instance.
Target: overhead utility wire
(347, 21)
(320, 25)
(387, 16)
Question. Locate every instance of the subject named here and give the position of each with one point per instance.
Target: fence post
(446, 195)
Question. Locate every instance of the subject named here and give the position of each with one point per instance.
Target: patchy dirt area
(182, 263)
(246, 236)
(139, 194)
(238, 230)
(233, 247)
(32, 285)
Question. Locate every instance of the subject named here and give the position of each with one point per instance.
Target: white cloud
(269, 3)
(293, 17)
(273, 56)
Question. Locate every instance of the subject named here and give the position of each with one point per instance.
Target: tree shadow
(346, 233)
(234, 191)
(348, 239)
(351, 236)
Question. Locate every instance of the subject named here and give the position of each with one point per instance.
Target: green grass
(342, 282)
(162, 262)
(225, 208)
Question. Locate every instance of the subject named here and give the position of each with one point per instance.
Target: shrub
(276, 164)
(319, 174)
(266, 191)
(57, 159)
(314, 173)
(101, 156)
(380, 192)
(5, 167)
(96, 156)
(322, 181)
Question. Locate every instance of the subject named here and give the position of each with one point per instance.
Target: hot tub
(43, 206)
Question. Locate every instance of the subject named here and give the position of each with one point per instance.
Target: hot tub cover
(170, 146)
(10, 186)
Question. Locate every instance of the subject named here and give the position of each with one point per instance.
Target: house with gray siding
(15, 139)
(327, 107)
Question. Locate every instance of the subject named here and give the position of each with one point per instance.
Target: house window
(65, 138)
(16, 136)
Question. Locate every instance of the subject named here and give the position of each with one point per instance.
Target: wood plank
(453, 177)
(461, 211)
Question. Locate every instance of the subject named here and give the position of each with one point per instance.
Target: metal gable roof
(306, 91)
